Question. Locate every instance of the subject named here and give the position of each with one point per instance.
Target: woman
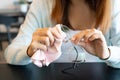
(90, 20)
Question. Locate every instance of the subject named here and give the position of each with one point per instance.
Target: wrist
(29, 52)
(108, 56)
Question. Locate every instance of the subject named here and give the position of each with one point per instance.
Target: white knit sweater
(39, 16)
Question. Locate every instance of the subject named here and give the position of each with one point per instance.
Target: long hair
(102, 9)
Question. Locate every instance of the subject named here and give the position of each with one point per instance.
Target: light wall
(7, 4)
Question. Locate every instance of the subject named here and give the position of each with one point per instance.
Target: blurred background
(12, 14)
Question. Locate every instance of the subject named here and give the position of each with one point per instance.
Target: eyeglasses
(65, 29)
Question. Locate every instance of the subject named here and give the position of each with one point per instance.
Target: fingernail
(82, 40)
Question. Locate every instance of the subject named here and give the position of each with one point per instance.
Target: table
(83, 71)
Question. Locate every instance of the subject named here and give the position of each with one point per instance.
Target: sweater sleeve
(15, 53)
(114, 37)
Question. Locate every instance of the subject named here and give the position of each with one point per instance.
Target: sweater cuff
(114, 59)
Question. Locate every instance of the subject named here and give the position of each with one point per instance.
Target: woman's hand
(93, 42)
(42, 38)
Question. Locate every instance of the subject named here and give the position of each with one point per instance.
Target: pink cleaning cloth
(44, 58)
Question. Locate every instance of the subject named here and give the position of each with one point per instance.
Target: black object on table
(84, 71)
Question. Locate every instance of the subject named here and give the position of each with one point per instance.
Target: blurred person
(95, 22)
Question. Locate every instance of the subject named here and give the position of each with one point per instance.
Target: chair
(7, 21)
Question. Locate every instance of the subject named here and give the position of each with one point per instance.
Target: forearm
(16, 55)
(16, 52)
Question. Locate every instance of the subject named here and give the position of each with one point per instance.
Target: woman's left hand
(93, 42)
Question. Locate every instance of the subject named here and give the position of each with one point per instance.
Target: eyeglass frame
(65, 29)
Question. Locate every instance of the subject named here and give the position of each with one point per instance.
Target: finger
(46, 32)
(97, 35)
(94, 37)
(62, 34)
(56, 33)
(37, 46)
(43, 40)
(89, 33)
(78, 37)
(41, 31)
(58, 27)
(51, 37)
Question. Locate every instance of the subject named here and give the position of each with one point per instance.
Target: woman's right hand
(42, 38)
